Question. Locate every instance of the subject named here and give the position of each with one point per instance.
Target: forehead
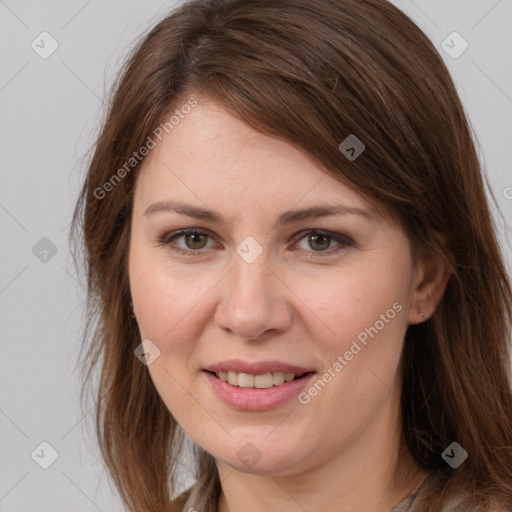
(214, 157)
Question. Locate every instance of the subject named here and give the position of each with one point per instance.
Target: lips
(257, 386)
(257, 368)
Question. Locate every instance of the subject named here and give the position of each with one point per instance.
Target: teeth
(262, 381)
(278, 378)
(233, 378)
(245, 380)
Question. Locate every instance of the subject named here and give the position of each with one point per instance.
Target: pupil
(325, 238)
(324, 245)
(196, 238)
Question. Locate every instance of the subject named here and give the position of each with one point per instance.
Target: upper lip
(256, 367)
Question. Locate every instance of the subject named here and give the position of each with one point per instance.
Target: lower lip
(253, 399)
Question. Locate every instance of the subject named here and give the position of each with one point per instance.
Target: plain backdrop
(50, 113)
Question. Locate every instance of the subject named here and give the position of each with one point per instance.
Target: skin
(339, 451)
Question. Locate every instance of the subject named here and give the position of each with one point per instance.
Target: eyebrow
(287, 217)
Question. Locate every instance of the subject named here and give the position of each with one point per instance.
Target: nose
(255, 302)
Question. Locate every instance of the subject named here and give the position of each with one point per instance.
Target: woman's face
(271, 287)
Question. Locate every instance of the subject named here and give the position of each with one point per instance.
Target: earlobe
(434, 272)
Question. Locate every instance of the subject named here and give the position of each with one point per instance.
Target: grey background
(50, 113)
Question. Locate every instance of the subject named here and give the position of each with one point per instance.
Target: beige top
(203, 497)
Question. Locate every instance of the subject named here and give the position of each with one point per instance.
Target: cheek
(347, 303)
(363, 317)
(174, 303)
(166, 305)
(166, 300)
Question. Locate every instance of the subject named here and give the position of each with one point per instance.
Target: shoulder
(201, 496)
(460, 501)
(464, 503)
(179, 503)
(468, 508)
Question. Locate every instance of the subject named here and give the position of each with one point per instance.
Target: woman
(292, 259)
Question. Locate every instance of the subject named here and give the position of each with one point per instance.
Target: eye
(319, 241)
(194, 240)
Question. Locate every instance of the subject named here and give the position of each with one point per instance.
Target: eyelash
(170, 237)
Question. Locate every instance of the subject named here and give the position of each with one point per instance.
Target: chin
(260, 455)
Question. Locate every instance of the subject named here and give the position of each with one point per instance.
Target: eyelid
(342, 239)
(339, 237)
(167, 238)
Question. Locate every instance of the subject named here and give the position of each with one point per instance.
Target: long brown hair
(311, 73)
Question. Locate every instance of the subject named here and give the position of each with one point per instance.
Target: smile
(256, 392)
(260, 381)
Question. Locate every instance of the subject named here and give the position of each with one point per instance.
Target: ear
(429, 284)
